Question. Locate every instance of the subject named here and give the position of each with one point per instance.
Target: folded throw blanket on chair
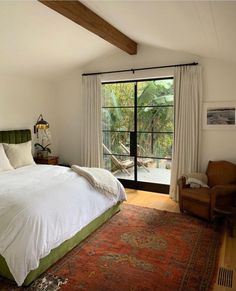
(196, 180)
(101, 179)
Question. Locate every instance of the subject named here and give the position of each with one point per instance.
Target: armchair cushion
(221, 173)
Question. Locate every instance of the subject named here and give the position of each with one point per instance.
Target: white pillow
(20, 154)
(4, 162)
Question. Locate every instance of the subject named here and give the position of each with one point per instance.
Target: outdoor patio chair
(121, 165)
(141, 162)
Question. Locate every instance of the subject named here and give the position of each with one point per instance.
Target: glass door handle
(133, 143)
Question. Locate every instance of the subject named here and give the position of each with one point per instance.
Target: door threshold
(151, 187)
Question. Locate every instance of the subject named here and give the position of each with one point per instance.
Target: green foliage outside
(155, 113)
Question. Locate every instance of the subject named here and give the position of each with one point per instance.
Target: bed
(56, 210)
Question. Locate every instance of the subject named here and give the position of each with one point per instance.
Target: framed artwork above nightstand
(50, 160)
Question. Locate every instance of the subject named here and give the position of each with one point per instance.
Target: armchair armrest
(182, 183)
(226, 192)
(223, 190)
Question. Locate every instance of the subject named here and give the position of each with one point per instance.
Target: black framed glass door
(138, 126)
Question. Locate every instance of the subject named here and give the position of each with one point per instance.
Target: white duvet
(41, 206)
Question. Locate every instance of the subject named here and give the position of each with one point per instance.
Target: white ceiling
(205, 28)
(36, 40)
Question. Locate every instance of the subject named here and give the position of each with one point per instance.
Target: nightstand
(50, 160)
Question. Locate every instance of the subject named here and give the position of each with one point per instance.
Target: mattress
(42, 206)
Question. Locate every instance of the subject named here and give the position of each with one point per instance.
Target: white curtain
(92, 125)
(188, 102)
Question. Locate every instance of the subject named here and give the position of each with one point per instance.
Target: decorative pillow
(196, 180)
(20, 154)
(4, 162)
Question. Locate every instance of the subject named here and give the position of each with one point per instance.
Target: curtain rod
(140, 69)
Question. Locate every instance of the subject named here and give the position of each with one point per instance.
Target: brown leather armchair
(220, 194)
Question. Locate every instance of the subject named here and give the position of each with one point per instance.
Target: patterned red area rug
(139, 249)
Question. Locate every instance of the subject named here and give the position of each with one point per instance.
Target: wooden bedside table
(50, 160)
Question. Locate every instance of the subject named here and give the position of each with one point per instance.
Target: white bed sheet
(41, 206)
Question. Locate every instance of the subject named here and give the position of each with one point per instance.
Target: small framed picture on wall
(219, 115)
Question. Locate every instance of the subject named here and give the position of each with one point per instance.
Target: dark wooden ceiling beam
(82, 15)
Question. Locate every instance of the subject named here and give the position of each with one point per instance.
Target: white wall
(219, 85)
(218, 78)
(69, 122)
(22, 100)
(147, 57)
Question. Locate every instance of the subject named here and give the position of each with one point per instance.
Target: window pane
(118, 119)
(116, 143)
(121, 167)
(155, 127)
(155, 145)
(154, 171)
(119, 94)
(155, 92)
(156, 119)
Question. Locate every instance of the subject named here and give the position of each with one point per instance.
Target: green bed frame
(19, 136)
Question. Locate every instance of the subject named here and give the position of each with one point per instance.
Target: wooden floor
(163, 202)
(150, 199)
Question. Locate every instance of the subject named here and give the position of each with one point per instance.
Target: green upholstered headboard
(15, 136)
